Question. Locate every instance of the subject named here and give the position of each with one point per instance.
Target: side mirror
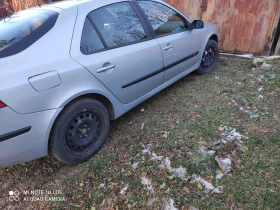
(196, 24)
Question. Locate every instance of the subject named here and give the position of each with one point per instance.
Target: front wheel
(80, 131)
(210, 58)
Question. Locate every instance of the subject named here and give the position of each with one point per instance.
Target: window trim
(150, 25)
(106, 47)
(97, 31)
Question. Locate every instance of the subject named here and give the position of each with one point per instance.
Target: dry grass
(174, 122)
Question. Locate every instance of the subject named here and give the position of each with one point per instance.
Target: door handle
(168, 46)
(106, 67)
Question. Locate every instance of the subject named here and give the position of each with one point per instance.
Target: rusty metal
(204, 5)
(192, 8)
(246, 26)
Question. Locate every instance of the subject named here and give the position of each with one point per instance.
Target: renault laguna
(67, 69)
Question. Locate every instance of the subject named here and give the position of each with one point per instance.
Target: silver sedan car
(67, 69)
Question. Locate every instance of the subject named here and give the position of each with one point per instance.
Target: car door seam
(160, 70)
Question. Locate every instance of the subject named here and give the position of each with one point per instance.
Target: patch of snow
(239, 83)
(177, 172)
(204, 150)
(266, 66)
(237, 55)
(224, 164)
(260, 96)
(245, 56)
(123, 191)
(162, 186)
(252, 56)
(135, 165)
(260, 88)
(151, 201)
(168, 190)
(252, 114)
(193, 208)
(260, 78)
(218, 176)
(147, 184)
(102, 185)
(169, 205)
(271, 57)
(207, 185)
(218, 190)
(148, 149)
(216, 77)
(155, 157)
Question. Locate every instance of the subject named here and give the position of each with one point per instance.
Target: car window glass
(22, 29)
(90, 41)
(118, 24)
(163, 19)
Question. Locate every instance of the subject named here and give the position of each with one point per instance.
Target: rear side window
(163, 19)
(21, 30)
(118, 24)
(90, 41)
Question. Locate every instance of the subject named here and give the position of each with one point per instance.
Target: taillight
(2, 105)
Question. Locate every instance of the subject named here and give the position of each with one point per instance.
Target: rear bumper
(24, 137)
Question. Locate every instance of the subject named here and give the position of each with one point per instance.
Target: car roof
(67, 4)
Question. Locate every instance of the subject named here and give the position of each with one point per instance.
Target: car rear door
(180, 46)
(116, 47)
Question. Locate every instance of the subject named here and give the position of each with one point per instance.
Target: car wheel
(210, 58)
(80, 131)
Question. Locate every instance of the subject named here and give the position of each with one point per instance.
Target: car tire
(210, 58)
(80, 131)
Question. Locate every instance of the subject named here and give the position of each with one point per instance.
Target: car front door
(180, 46)
(116, 47)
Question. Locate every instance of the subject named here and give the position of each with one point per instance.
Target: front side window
(118, 24)
(163, 19)
(90, 41)
(22, 29)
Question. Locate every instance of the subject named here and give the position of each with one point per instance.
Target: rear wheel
(210, 58)
(80, 131)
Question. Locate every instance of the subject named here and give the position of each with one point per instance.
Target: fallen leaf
(186, 189)
(244, 139)
(244, 147)
(224, 163)
(185, 131)
(143, 174)
(114, 184)
(164, 134)
(199, 186)
(170, 177)
(142, 127)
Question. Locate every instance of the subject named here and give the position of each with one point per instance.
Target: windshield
(20, 30)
